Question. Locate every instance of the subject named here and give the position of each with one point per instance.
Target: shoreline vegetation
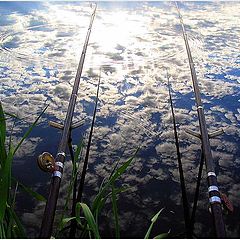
(10, 223)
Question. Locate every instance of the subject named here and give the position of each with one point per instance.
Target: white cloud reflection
(38, 61)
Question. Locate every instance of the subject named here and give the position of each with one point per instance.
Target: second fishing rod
(213, 191)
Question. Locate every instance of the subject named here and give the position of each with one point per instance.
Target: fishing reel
(46, 162)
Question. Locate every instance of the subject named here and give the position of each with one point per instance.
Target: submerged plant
(10, 224)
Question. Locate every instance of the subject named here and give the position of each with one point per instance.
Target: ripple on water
(36, 44)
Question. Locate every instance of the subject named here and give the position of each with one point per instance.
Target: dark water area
(134, 43)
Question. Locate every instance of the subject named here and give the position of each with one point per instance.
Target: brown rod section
(214, 195)
(50, 208)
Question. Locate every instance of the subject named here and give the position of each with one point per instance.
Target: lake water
(134, 43)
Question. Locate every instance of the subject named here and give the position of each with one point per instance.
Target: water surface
(134, 43)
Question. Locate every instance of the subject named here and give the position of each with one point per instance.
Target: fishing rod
(180, 168)
(214, 195)
(196, 195)
(50, 208)
(84, 170)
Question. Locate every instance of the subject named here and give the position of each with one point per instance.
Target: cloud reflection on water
(39, 54)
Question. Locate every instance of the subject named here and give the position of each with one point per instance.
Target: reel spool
(46, 162)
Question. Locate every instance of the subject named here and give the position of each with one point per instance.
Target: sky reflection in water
(40, 46)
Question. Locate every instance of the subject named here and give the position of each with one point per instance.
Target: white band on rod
(212, 188)
(211, 174)
(61, 153)
(57, 174)
(214, 199)
(60, 164)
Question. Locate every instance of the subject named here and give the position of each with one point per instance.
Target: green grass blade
(90, 220)
(30, 129)
(148, 231)
(19, 227)
(101, 195)
(3, 154)
(14, 196)
(114, 168)
(32, 193)
(5, 176)
(2, 231)
(122, 169)
(115, 212)
(63, 222)
(71, 184)
(11, 115)
(2, 124)
(78, 152)
(122, 189)
(153, 220)
(11, 133)
(14, 232)
(114, 176)
(78, 218)
(76, 158)
(162, 235)
(10, 224)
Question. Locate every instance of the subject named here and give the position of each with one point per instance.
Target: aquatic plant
(10, 224)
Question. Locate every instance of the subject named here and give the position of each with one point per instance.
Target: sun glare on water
(118, 28)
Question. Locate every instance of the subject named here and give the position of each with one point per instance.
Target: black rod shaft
(196, 195)
(74, 170)
(180, 169)
(50, 208)
(72, 231)
(214, 195)
(81, 185)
